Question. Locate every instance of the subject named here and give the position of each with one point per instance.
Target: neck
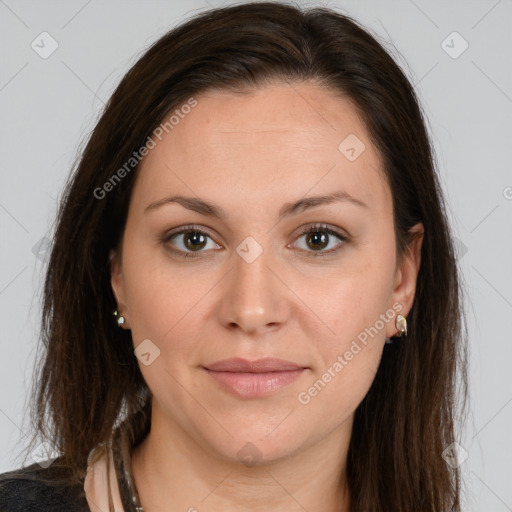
(173, 472)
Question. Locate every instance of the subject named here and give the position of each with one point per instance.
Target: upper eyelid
(185, 229)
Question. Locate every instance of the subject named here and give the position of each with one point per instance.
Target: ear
(117, 283)
(406, 276)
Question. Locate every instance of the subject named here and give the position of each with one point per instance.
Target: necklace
(121, 451)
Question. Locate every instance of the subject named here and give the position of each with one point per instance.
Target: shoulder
(34, 488)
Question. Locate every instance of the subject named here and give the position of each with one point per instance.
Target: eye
(319, 237)
(189, 240)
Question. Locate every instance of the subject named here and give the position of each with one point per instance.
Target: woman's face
(251, 284)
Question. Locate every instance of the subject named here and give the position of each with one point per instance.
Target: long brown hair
(89, 378)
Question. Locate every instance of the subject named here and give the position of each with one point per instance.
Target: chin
(250, 448)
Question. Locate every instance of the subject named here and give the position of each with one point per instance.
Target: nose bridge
(253, 297)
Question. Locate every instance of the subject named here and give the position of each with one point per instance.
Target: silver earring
(119, 318)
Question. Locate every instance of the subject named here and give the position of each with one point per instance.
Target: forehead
(289, 138)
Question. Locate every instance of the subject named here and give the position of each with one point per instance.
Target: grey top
(33, 489)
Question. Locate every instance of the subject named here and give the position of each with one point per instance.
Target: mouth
(254, 379)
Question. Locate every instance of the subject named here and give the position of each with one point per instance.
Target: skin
(249, 154)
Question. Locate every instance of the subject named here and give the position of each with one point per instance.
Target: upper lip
(239, 365)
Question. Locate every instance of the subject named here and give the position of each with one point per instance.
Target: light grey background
(48, 106)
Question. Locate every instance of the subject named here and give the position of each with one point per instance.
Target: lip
(254, 379)
(265, 365)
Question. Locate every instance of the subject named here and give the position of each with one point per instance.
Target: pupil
(196, 239)
(318, 238)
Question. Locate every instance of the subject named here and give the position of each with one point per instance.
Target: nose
(254, 298)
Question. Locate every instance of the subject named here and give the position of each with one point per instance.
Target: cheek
(153, 294)
(165, 299)
(348, 299)
(351, 340)
(343, 384)
(351, 348)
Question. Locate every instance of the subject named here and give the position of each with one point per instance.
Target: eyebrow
(209, 209)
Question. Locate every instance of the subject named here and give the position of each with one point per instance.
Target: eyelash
(311, 229)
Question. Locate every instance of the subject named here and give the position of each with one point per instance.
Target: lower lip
(254, 385)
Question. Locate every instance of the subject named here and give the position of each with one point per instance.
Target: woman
(252, 300)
